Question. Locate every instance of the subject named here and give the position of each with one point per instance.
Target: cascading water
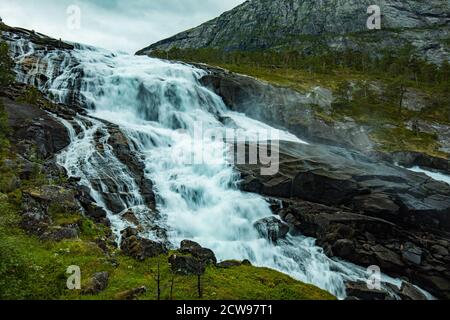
(157, 106)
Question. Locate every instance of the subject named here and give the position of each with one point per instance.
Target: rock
(36, 134)
(60, 233)
(271, 228)
(336, 177)
(360, 291)
(35, 221)
(206, 256)
(409, 292)
(257, 25)
(376, 204)
(186, 265)
(56, 195)
(130, 217)
(246, 262)
(417, 159)
(412, 253)
(343, 248)
(97, 284)
(96, 212)
(139, 248)
(132, 294)
(121, 148)
(439, 250)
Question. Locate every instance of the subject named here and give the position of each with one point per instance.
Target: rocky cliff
(310, 24)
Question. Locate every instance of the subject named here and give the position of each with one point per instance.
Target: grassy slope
(35, 269)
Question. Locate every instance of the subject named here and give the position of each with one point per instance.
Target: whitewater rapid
(157, 105)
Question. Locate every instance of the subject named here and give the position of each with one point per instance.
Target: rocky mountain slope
(311, 25)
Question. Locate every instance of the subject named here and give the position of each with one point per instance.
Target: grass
(35, 269)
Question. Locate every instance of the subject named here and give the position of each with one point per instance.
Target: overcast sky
(127, 25)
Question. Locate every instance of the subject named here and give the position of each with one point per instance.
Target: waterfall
(157, 105)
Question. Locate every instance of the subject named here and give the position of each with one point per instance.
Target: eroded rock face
(307, 24)
(36, 134)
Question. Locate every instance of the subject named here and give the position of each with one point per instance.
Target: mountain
(311, 24)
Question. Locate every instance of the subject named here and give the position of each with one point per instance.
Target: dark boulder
(36, 133)
(205, 255)
(186, 265)
(271, 228)
(139, 248)
(360, 291)
(410, 292)
(98, 283)
(412, 253)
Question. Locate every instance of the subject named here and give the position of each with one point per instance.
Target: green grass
(35, 269)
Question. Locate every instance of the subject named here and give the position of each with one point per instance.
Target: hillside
(311, 26)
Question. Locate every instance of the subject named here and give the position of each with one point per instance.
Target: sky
(126, 25)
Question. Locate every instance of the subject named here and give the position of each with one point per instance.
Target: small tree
(396, 91)
(201, 268)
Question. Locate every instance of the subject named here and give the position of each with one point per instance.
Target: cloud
(127, 25)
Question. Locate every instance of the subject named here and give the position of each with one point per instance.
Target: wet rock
(412, 253)
(113, 202)
(410, 292)
(413, 159)
(205, 255)
(271, 228)
(36, 134)
(439, 250)
(186, 265)
(376, 204)
(96, 212)
(360, 291)
(343, 248)
(122, 150)
(98, 283)
(139, 248)
(132, 294)
(131, 217)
